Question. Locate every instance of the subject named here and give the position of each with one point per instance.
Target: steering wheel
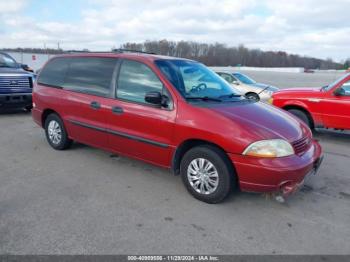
(200, 87)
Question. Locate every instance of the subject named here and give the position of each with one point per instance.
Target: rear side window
(90, 75)
(135, 80)
(54, 72)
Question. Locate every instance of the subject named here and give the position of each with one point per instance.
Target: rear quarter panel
(46, 98)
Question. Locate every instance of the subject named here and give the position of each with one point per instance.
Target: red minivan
(178, 114)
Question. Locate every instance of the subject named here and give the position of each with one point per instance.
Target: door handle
(117, 110)
(95, 105)
(315, 100)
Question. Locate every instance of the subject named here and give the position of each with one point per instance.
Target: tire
(28, 108)
(56, 133)
(302, 116)
(219, 186)
(253, 96)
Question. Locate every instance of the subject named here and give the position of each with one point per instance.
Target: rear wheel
(56, 133)
(207, 174)
(302, 116)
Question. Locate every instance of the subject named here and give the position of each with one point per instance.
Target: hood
(262, 121)
(14, 71)
(300, 89)
(268, 87)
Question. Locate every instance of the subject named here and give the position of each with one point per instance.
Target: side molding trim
(121, 134)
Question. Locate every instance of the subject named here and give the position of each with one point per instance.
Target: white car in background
(248, 87)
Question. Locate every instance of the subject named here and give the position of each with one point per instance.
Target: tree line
(34, 50)
(216, 54)
(222, 55)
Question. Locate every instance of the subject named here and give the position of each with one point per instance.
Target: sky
(317, 28)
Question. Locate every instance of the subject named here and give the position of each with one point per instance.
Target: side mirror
(340, 92)
(235, 82)
(156, 98)
(26, 68)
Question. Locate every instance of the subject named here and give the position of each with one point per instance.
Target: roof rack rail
(85, 51)
(113, 51)
(121, 50)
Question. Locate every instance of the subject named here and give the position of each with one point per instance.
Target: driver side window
(135, 80)
(346, 87)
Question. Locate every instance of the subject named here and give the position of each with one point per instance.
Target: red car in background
(327, 107)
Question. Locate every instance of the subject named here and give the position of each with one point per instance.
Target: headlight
(269, 92)
(270, 101)
(269, 148)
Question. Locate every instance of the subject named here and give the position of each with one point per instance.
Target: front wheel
(302, 116)
(207, 174)
(56, 133)
(253, 96)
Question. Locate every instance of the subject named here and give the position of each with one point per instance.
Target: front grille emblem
(13, 82)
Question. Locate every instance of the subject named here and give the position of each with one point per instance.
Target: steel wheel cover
(203, 176)
(54, 132)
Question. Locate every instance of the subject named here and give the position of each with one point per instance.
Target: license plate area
(313, 171)
(16, 99)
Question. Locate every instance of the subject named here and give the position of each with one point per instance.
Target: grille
(15, 82)
(301, 145)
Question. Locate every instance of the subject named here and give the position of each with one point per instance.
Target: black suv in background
(16, 84)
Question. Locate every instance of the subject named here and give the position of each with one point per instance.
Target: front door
(137, 128)
(336, 113)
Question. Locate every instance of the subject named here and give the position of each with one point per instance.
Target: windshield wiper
(230, 95)
(204, 98)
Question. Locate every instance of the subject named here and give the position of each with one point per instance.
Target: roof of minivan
(150, 57)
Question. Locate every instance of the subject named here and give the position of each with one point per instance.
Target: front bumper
(291, 187)
(283, 175)
(264, 96)
(15, 100)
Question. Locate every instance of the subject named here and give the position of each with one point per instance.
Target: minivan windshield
(244, 79)
(195, 81)
(7, 61)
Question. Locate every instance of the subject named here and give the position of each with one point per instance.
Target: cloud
(12, 6)
(7, 9)
(314, 28)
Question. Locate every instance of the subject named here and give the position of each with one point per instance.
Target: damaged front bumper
(291, 188)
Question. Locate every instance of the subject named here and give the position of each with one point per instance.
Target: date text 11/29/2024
(173, 258)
